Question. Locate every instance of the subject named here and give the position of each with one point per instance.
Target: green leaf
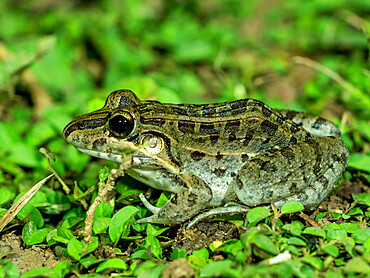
(265, 243)
(101, 224)
(31, 235)
(65, 233)
(78, 249)
(362, 198)
(10, 270)
(142, 254)
(39, 272)
(356, 211)
(321, 215)
(339, 262)
(76, 160)
(149, 269)
(103, 174)
(115, 263)
(162, 200)
(360, 236)
(367, 246)
(257, 214)
(314, 231)
(120, 223)
(331, 250)
(155, 247)
(296, 241)
(155, 231)
(89, 261)
(335, 234)
(150, 229)
(5, 195)
(71, 222)
(39, 134)
(217, 269)
(75, 248)
(195, 50)
(62, 269)
(295, 228)
(36, 216)
(357, 265)
(360, 161)
(313, 261)
(24, 155)
(105, 209)
(91, 246)
(349, 227)
(202, 253)
(291, 207)
(178, 253)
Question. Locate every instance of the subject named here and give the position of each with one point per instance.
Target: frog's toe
(155, 219)
(148, 205)
(150, 219)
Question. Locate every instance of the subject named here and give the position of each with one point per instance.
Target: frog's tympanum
(228, 156)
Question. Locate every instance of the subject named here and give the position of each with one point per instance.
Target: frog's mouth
(139, 160)
(108, 156)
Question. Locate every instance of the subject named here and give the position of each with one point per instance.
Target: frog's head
(114, 130)
(95, 132)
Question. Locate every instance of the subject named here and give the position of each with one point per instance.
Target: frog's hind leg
(317, 126)
(193, 196)
(305, 172)
(236, 209)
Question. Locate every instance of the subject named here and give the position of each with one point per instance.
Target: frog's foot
(237, 209)
(153, 209)
(192, 197)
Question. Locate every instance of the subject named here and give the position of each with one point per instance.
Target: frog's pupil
(121, 125)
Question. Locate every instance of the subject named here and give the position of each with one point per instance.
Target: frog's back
(246, 125)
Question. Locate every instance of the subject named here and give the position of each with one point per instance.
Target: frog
(217, 158)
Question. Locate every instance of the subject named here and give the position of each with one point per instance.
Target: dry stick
(104, 190)
(312, 222)
(13, 211)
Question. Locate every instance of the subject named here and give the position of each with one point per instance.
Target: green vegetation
(59, 59)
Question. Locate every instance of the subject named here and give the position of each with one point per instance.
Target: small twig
(13, 211)
(49, 156)
(349, 208)
(334, 76)
(276, 216)
(318, 67)
(312, 222)
(104, 190)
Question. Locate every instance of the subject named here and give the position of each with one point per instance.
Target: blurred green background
(59, 59)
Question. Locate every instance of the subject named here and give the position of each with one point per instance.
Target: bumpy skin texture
(242, 153)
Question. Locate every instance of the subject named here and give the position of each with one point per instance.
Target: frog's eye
(121, 125)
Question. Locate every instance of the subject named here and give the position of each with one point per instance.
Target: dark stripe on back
(267, 111)
(186, 126)
(208, 128)
(232, 126)
(268, 127)
(153, 121)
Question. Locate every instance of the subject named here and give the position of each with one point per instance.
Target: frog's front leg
(305, 172)
(193, 196)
